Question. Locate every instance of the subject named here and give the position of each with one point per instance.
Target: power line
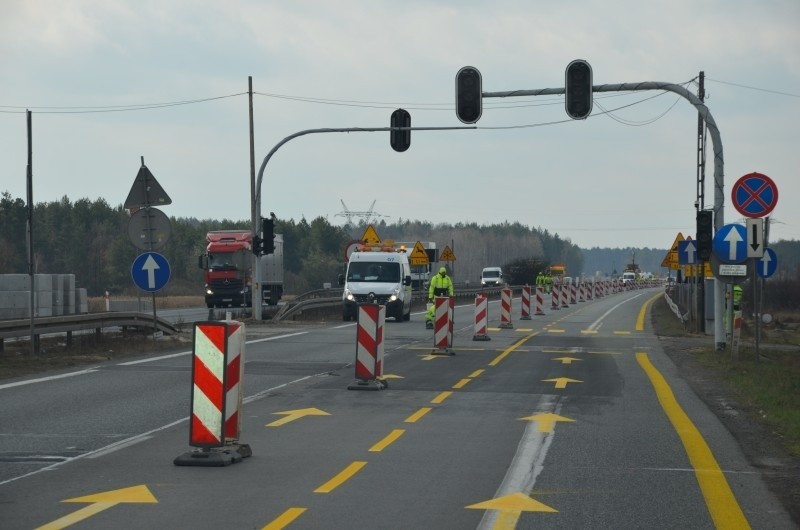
(112, 108)
(754, 88)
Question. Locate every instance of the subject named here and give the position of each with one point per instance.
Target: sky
(110, 82)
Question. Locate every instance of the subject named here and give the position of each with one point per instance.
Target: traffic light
(267, 236)
(704, 234)
(469, 102)
(257, 245)
(400, 140)
(578, 89)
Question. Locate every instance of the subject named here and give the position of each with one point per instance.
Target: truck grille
(229, 285)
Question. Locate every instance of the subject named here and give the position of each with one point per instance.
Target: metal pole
(29, 179)
(254, 221)
(149, 242)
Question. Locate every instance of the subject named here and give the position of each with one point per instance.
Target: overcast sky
(624, 177)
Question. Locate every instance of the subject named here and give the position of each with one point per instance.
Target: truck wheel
(407, 316)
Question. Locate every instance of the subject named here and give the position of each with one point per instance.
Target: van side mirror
(407, 280)
(341, 279)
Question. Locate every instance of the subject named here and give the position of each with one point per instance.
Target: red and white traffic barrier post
(555, 304)
(573, 294)
(369, 348)
(505, 308)
(539, 301)
(526, 303)
(481, 317)
(564, 296)
(442, 325)
(217, 374)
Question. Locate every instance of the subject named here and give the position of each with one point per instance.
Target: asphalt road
(573, 419)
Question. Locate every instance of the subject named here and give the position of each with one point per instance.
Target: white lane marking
(48, 378)
(599, 322)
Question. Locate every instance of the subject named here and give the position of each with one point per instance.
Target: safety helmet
(442, 271)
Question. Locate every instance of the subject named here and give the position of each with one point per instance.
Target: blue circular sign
(730, 243)
(767, 264)
(754, 195)
(150, 271)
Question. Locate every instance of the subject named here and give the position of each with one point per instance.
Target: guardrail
(70, 323)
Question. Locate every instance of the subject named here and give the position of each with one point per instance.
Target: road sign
(146, 191)
(687, 252)
(150, 271)
(149, 229)
(754, 195)
(418, 256)
(727, 274)
(730, 243)
(671, 261)
(371, 237)
(447, 255)
(350, 248)
(768, 264)
(755, 237)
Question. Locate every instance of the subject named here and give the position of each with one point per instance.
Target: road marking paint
(556, 331)
(462, 383)
(476, 373)
(622, 333)
(642, 311)
(418, 414)
(285, 519)
(511, 348)
(442, 396)
(341, 477)
(589, 331)
(387, 440)
(49, 378)
(720, 500)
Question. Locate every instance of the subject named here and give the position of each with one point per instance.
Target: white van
(492, 277)
(377, 276)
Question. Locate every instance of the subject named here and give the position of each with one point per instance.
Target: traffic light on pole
(257, 245)
(704, 234)
(469, 95)
(400, 140)
(267, 236)
(578, 89)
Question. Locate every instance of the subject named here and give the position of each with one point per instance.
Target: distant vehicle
(377, 275)
(421, 274)
(228, 266)
(628, 276)
(557, 273)
(491, 277)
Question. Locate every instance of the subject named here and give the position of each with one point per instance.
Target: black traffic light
(469, 102)
(578, 89)
(267, 236)
(704, 234)
(400, 140)
(257, 245)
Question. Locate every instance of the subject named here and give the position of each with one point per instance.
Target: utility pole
(700, 205)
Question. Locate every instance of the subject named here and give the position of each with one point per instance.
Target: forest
(90, 239)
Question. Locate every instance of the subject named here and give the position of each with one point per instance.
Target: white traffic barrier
(505, 308)
(481, 317)
(369, 348)
(526, 303)
(442, 326)
(555, 303)
(539, 301)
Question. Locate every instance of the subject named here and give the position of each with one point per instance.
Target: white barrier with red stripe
(539, 301)
(526, 303)
(442, 324)
(481, 317)
(369, 348)
(564, 296)
(505, 308)
(573, 294)
(555, 304)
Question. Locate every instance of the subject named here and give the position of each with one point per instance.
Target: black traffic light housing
(400, 140)
(704, 234)
(267, 236)
(469, 95)
(257, 245)
(578, 89)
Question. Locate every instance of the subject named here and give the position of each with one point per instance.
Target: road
(574, 419)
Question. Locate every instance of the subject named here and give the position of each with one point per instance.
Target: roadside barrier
(564, 296)
(216, 401)
(481, 317)
(582, 292)
(369, 348)
(573, 294)
(526, 303)
(555, 304)
(539, 301)
(442, 325)
(505, 309)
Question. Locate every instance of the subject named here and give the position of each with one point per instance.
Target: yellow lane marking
(418, 414)
(556, 331)
(622, 333)
(99, 502)
(721, 503)
(442, 396)
(561, 382)
(285, 519)
(524, 330)
(606, 352)
(462, 383)
(642, 311)
(476, 373)
(511, 508)
(589, 331)
(387, 441)
(546, 420)
(511, 348)
(292, 415)
(340, 479)
(566, 360)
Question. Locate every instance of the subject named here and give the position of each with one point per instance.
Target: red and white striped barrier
(505, 308)
(481, 317)
(564, 296)
(573, 294)
(369, 348)
(442, 325)
(582, 292)
(526, 303)
(539, 301)
(217, 373)
(555, 303)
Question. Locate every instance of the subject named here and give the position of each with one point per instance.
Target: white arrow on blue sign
(730, 243)
(768, 263)
(150, 271)
(687, 252)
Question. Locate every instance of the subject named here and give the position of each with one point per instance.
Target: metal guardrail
(68, 324)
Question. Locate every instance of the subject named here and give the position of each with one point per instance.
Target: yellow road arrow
(391, 376)
(561, 382)
(511, 507)
(292, 415)
(99, 502)
(566, 360)
(546, 420)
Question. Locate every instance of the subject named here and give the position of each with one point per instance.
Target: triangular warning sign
(146, 191)
(370, 237)
(670, 261)
(447, 255)
(418, 256)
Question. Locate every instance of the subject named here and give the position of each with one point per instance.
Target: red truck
(228, 266)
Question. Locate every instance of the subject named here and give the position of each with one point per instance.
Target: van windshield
(491, 274)
(361, 271)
